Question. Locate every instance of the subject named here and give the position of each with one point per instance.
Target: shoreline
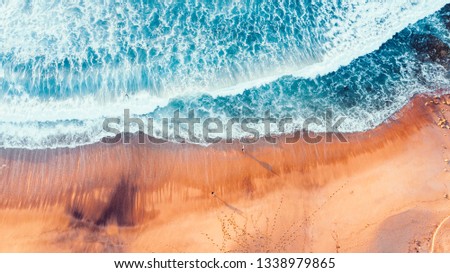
(383, 191)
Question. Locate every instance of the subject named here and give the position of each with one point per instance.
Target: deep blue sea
(65, 66)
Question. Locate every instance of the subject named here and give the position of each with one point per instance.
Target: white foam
(28, 109)
(362, 28)
(354, 28)
(358, 34)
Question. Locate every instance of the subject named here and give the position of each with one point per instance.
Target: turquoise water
(68, 65)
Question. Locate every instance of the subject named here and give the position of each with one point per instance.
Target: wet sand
(385, 190)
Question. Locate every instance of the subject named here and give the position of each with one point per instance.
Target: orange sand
(386, 190)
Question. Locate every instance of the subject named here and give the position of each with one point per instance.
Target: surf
(67, 66)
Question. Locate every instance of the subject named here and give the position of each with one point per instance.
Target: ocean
(66, 66)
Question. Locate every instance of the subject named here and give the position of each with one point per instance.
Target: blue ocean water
(65, 66)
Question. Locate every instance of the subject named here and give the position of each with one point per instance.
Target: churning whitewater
(67, 65)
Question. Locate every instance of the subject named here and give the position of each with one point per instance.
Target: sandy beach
(385, 190)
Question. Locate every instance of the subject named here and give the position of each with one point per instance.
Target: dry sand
(386, 190)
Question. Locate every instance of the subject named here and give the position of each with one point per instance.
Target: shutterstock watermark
(247, 130)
